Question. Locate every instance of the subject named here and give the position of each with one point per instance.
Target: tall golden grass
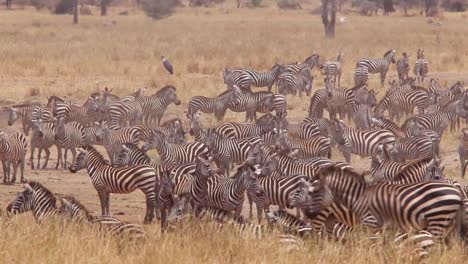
(42, 54)
(24, 242)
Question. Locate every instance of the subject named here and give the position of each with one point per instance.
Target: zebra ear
(28, 187)
(125, 147)
(80, 150)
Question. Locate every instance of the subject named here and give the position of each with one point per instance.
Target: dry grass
(23, 242)
(44, 54)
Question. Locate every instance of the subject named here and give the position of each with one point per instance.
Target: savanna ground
(44, 55)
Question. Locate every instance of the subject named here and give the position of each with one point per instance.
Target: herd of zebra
(279, 163)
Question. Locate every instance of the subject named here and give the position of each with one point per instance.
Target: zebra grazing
(289, 222)
(420, 67)
(72, 209)
(217, 105)
(373, 66)
(295, 83)
(402, 102)
(418, 147)
(173, 154)
(403, 67)
(228, 194)
(107, 179)
(265, 79)
(334, 68)
(430, 206)
(35, 198)
(42, 138)
(68, 136)
(262, 126)
(363, 143)
(13, 149)
(463, 151)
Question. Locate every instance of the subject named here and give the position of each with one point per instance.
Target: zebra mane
(228, 91)
(94, 151)
(37, 186)
(164, 90)
(24, 105)
(387, 53)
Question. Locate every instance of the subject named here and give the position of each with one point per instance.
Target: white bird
(167, 65)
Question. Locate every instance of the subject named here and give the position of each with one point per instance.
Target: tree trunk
(75, 11)
(329, 25)
(103, 7)
(388, 6)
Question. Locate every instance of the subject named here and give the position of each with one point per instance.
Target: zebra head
(434, 171)
(12, 115)
(23, 202)
(311, 196)
(338, 128)
(206, 167)
(168, 94)
(313, 60)
(249, 176)
(37, 127)
(390, 56)
(92, 104)
(371, 98)
(124, 156)
(195, 124)
(73, 210)
(80, 161)
(156, 139)
(255, 154)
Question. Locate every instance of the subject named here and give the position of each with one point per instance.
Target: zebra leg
(59, 157)
(15, 170)
(103, 198)
(260, 207)
(32, 157)
(107, 203)
(73, 151)
(64, 161)
(149, 210)
(163, 218)
(21, 165)
(47, 151)
(382, 78)
(39, 158)
(4, 166)
(250, 199)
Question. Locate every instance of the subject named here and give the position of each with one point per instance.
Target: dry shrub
(34, 91)
(289, 4)
(85, 10)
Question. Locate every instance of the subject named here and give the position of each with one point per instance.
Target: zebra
(217, 105)
(262, 126)
(403, 67)
(385, 170)
(363, 113)
(249, 102)
(13, 149)
(463, 151)
(85, 114)
(265, 79)
(380, 65)
(236, 77)
(361, 76)
(418, 147)
(402, 101)
(334, 68)
(228, 194)
(295, 83)
(363, 143)
(308, 64)
(112, 140)
(43, 138)
(439, 121)
(35, 198)
(302, 130)
(307, 148)
(291, 223)
(227, 151)
(107, 179)
(431, 206)
(154, 106)
(42, 113)
(24, 111)
(174, 153)
(68, 136)
(122, 111)
(420, 67)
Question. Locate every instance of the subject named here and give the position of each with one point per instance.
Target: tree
(104, 7)
(8, 4)
(158, 9)
(75, 11)
(388, 6)
(329, 25)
